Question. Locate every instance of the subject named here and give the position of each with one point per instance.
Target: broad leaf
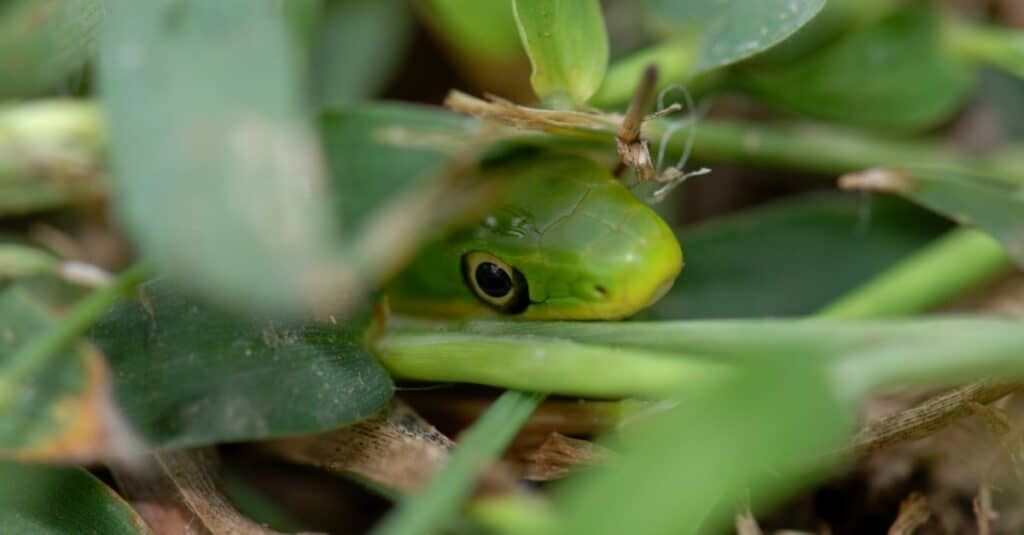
(187, 373)
(790, 258)
(567, 45)
(39, 499)
(218, 174)
(894, 75)
(61, 412)
(995, 206)
(731, 30)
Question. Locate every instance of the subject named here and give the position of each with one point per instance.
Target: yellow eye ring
(495, 283)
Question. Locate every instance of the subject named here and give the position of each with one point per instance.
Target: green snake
(567, 241)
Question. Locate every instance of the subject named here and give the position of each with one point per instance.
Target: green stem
(827, 150)
(51, 154)
(429, 510)
(1000, 47)
(946, 268)
(537, 363)
(38, 352)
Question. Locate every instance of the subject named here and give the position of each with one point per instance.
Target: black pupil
(492, 279)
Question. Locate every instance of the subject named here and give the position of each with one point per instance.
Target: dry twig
(927, 418)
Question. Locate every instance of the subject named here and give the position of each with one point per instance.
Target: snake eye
(495, 283)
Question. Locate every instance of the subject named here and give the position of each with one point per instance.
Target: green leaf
(486, 29)
(991, 205)
(62, 411)
(790, 258)
(43, 41)
(731, 30)
(894, 75)
(187, 373)
(374, 151)
(567, 45)
(218, 175)
(430, 509)
(38, 499)
(357, 48)
(749, 432)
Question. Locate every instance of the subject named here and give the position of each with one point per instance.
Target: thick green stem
(429, 510)
(946, 268)
(38, 352)
(546, 364)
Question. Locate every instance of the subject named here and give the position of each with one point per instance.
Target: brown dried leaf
(927, 418)
(396, 449)
(179, 492)
(914, 513)
(560, 455)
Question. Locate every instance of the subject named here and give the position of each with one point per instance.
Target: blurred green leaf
(894, 75)
(567, 45)
(42, 42)
(432, 507)
(685, 471)
(792, 257)
(62, 411)
(730, 30)
(187, 373)
(994, 206)
(357, 48)
(39, 499)
(487, 29)
(374, 151)
(217, 172)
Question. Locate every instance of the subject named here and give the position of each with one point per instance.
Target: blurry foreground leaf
(62, 411)
(356, 49)
(568, 47)
(790, 258)
(893, 75)
(685, 471)
(731, 30)
(43, 41)
(432, 507)
(220, 182)
(39, 499)
(187, 373)
(377, 151)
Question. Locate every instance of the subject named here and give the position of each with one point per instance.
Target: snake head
(568, 241)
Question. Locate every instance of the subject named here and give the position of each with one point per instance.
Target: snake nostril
(601, 290)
